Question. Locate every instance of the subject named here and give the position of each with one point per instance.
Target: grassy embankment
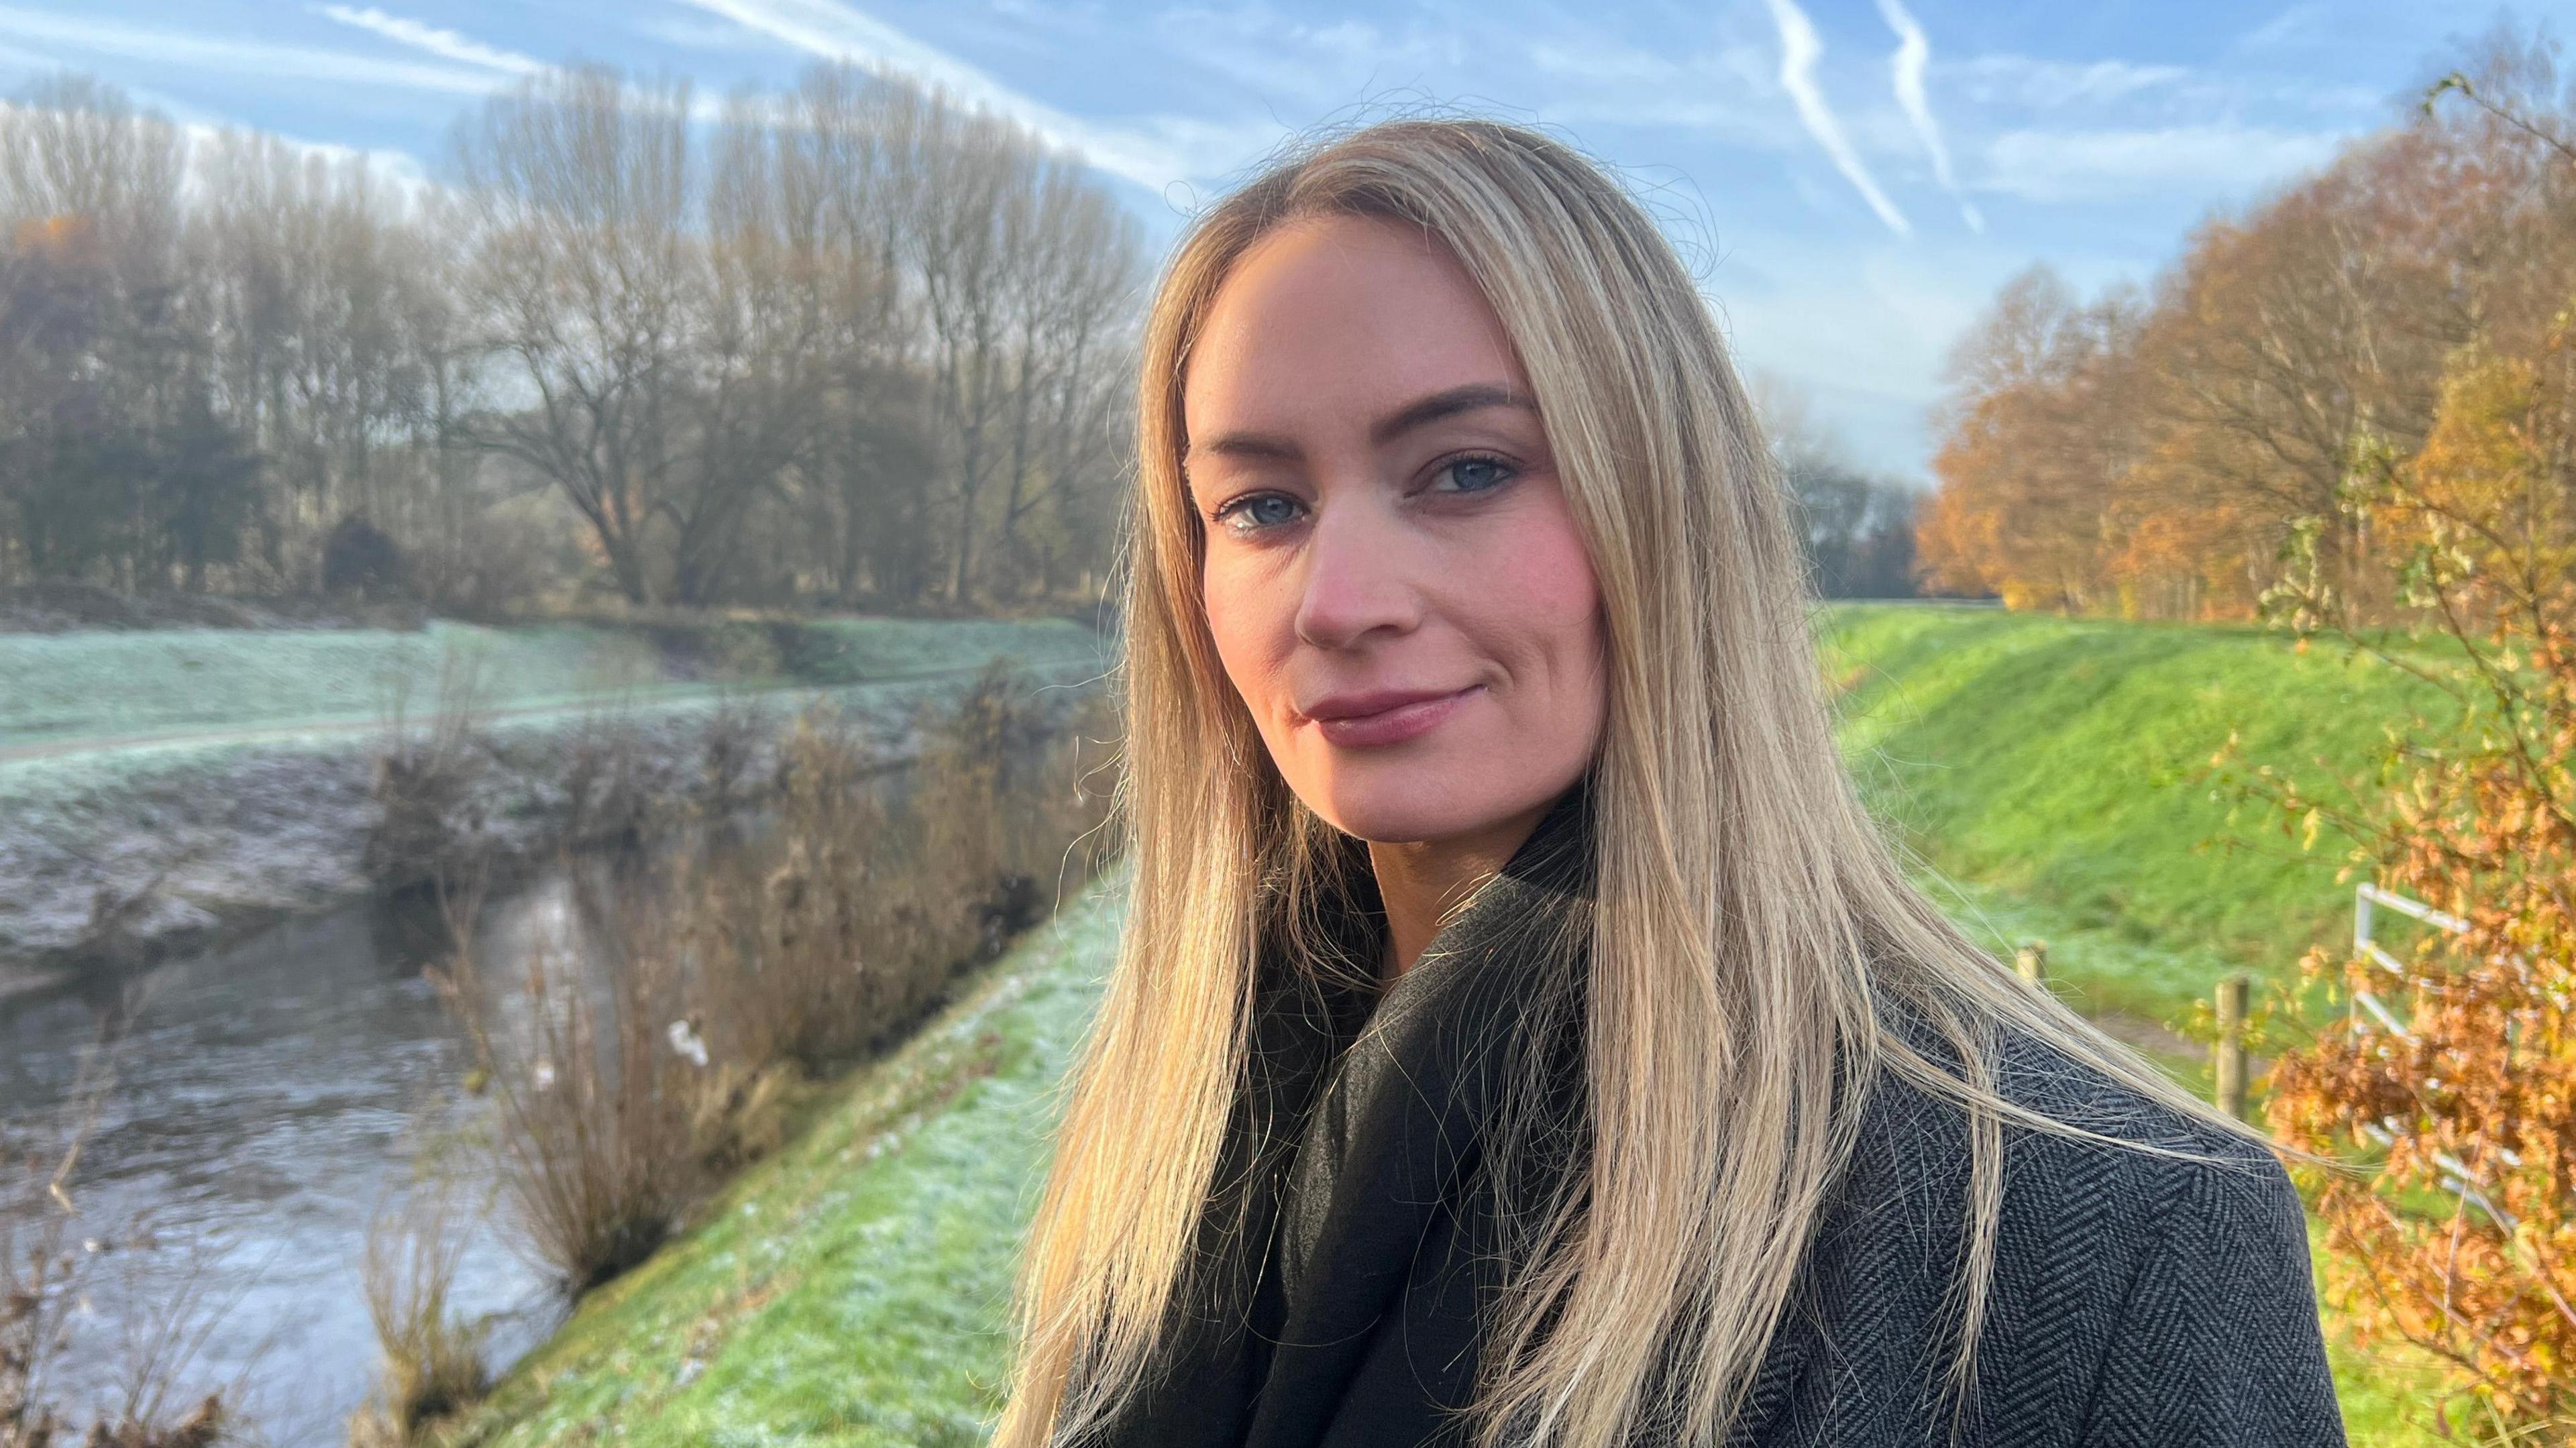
(98, 689)
(849, 1289)
(2055, 772)
(2053, 776)
(214, 778)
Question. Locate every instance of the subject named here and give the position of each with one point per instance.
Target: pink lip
(1387, 717)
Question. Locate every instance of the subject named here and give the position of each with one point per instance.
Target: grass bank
(2057, 772)
(137, 685)
(164, 790)
(849, 1290)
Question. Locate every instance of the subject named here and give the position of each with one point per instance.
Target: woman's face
(1392, 577)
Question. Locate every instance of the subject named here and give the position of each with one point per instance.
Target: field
(2046, 772)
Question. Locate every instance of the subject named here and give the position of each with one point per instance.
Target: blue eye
(1262, 510)
(1474, 474)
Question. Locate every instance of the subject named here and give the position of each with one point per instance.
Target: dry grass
(729, 744)
(628, 1079)
(426, 778)
(594, 1106)
(844, 926)
(433, 1360)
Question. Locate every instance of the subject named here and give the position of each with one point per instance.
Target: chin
(1406, 805)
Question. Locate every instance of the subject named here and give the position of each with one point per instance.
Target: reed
(427, 779)
(433, 1359)
(593, 1107)
(628, 1078)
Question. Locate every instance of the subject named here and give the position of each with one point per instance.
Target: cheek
(1550, 592)
(1239, 622)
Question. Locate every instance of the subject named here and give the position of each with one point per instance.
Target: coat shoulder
(2117, 1267)
(2097, 1195)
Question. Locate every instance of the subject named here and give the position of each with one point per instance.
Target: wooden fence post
(2231, 1043)
(2032, 961)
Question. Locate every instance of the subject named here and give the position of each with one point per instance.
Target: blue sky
(1851, 179)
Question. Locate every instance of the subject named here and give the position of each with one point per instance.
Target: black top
(2136, 1299)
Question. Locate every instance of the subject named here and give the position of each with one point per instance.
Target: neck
(1419, 881)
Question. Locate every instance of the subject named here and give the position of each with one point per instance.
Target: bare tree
(72, 147)
(853, 340)
(114, 465)
(966, 192)
(1071, 299)
(326, 306)
(867, 476)
(762, 330)
(581, 188)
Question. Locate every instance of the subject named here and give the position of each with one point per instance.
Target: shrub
(2459, 1232)
(429, 823)
(593, 1107)
(433, 1361)
(358, 558)
(726, 973)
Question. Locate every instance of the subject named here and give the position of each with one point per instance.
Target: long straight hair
(1752, 933)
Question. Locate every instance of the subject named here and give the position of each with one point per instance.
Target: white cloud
(691, 34)
(1585, 78)
(1913, 54)
(1284, 58)
(835, 31)
(2106, 165)
(1799, 51)
(2287, 28)
(2047, 84)
(445, 44)
(12, 56)
(1862, 327)
(162, 46)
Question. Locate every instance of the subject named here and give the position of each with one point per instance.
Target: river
(269, 1099)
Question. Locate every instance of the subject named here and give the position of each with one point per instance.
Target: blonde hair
(1751, 932)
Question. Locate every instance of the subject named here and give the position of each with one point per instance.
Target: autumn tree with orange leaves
(2176, 453)
(2451, 1084)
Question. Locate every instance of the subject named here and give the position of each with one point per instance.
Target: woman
(1521, 1034)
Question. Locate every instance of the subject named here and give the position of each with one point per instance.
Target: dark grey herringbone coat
(2138, 1301)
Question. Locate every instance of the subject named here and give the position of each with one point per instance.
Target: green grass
(850, 1290)
(2064, 764)
(2052, 777)
(109, 684)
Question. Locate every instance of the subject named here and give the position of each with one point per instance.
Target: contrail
(445, 44)
(1799, 51)
(1913, 54)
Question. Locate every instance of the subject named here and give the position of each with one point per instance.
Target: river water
(269, 1100)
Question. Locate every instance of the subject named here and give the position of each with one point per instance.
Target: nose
(1358, 576)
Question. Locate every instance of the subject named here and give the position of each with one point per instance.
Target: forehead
(1334, 319)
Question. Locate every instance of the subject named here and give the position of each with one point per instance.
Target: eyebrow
(1421, 412)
